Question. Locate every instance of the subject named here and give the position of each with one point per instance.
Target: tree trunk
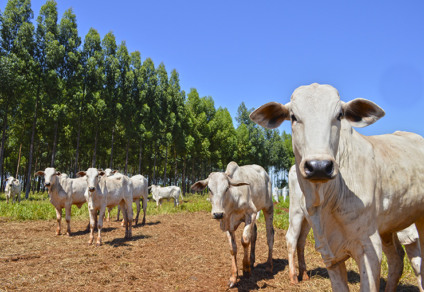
(140, 156)
(78, 145)
(111, 150)
(3, 142)
(183, 182)
(31, 145)
(154, 165)
(126, 156)
(93, 163)
(56, 125)
(166, 165)
(175, 168)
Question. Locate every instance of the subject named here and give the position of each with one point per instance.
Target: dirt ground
(184, 251)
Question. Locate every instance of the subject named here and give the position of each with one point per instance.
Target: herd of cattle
(361, 195)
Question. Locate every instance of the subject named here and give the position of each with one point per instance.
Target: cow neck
(56, 187)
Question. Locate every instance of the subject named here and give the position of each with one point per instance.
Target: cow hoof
(98, 244)
(305, 276)
(294, 280)
(68, 233)
(231, 284)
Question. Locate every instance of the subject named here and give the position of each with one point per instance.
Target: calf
(160, 193)
(12, 189)
(102, 192)
(237, 195)
(299, 229)
(63, 193)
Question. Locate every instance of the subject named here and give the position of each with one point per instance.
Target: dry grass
(183, 251)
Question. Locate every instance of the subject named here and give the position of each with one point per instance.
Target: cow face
(316, 113)
(93, 176)
(50, 176)
(8, 182)
(219, 184)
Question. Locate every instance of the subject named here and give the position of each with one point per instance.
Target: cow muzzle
(47, 184)
(319, 170)
(91, 189)
(218, 215)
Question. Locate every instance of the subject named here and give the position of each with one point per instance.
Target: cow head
(218, 183)
(316, 113)
(93, 176)
(8, 182)
(50, 175)
(110, 172)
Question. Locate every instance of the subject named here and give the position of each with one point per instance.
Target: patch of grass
(281, 215)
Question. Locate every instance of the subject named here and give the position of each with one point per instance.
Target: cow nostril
(329, 168)
(218, 215)
(91, 189)
(47, 184)
(309, 168)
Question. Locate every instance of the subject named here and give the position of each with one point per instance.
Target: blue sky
(256, 52)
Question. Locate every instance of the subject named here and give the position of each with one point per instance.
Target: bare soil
(184, 251)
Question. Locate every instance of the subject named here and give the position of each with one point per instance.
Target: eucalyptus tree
(164, 119)
(177, 98)
(150, 79)
(90, 106)
(14, 21)
(68, 72)
(124, 103)
(109, 93)
(138, 102)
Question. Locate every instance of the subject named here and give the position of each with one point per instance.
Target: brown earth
(184, 251)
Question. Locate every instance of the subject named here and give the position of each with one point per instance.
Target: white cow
(299, 229)
(172, 192)
(359, 190)
(140, 191)
(237, 195)
(63, 193)
(102, 192)
(275, 194)
(285, 193)
(12, 189)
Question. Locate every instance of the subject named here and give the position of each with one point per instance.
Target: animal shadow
(352, 276)
(260, 273)
(147, 224)
(124, 242)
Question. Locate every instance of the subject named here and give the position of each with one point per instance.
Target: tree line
(73, 104)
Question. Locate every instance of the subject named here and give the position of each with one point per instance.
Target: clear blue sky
(260, 51)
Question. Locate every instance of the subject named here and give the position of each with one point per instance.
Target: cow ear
(102, 173)
(200, 185)
(113, 171)
(271, 115)
(58, 173)
(361, 112)
(39, 173)
(235, 183)
(81, 173)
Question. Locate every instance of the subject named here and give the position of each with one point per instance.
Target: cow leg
(59, 220)
(137, 203)
(368, 257)
(119, 211)
(253, 238)
(301, 250)
(338, 277)
(245, 241)
(420, 228)
(100, 226)
(68, 208)
(292, 236)
(269, 215)
(19, 197)
(414, 254)
(144, 211)
(233, 251)
(93, 221)
(394, 253)
(130, 216)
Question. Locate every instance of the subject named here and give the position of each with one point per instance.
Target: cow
(359, 190)
(102, 192)
(237, 195)
(12, 189)
(140, 191)
(172, 192)
(275, 194)
(285, 193)
(299, 229)
(63, 193)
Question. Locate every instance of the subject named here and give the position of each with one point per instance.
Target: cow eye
(340, 116)
(293, 118)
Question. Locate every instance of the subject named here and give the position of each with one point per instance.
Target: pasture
(178, 249)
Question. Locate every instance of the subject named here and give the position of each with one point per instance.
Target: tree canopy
(76, 104)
